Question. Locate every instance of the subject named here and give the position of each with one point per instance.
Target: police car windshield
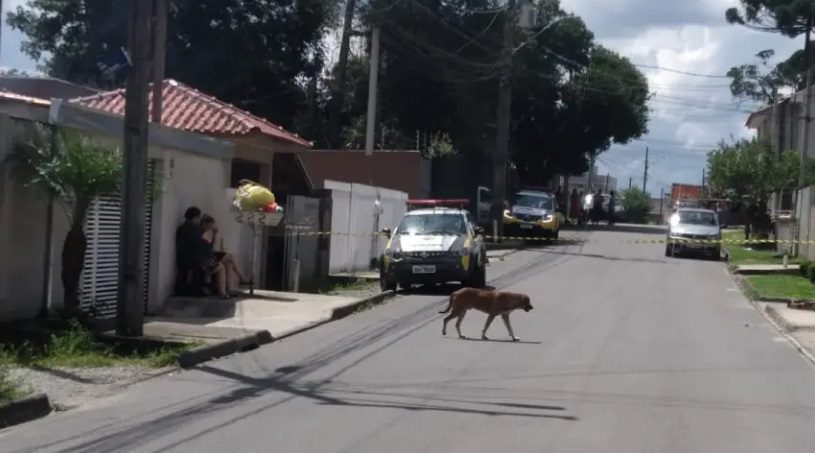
(429, 224)
(533, 201)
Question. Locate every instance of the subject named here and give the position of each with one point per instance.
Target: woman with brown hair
(220, 264)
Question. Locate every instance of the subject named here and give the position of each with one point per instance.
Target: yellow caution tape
(304, 233)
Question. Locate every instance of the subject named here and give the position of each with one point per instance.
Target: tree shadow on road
(609, 258)
(624, 228)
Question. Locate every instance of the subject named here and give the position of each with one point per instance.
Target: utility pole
(645, 174)
(373, 79)
(130, 310)
(661, 200)
(607, 176)
(499, 177)
(159, 44)
(703, 183)
(629, 182)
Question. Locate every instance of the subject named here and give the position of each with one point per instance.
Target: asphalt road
(626, 351)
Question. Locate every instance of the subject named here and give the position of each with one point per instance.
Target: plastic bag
(251, 196)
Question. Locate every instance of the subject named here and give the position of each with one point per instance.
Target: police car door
(478, 240)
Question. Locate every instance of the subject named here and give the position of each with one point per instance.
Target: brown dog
(491, 302)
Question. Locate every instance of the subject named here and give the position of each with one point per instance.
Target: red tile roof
(8, 95)
(190, 110)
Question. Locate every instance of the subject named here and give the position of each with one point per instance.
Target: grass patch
(751, 253)
(77, 347)
(334, 287)
(9, 390)
(782, 286)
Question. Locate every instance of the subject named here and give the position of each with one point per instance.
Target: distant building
(604, 183)
(685, 192)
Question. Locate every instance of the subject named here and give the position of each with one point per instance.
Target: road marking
(732, 290)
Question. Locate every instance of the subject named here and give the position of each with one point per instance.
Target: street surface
(626, 351)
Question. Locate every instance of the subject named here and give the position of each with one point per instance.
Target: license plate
(424, 269)
(526, 226)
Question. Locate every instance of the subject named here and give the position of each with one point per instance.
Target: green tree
(253, 54)
(637, 204)
(76, 170)
(440, 68)
(788, 17)
(760, 82)
(749, 170)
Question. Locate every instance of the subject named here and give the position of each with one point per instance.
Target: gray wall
(23, 213)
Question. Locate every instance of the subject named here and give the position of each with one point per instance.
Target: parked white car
(696, 231)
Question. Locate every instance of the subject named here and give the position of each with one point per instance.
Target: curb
(771, 318)
(782, 323)
(794, 342)
(24, 410)
(765, 272)
(341, 312)
(778, 319)
(188, 359)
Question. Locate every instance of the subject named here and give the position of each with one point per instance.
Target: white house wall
(352, 211)
(22, 235)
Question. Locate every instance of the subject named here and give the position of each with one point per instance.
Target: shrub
(803, 268)
(637, 205)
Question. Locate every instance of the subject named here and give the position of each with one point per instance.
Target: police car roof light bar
(449, 203)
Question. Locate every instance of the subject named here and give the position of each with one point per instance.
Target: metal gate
(99, 283)
(305, 254)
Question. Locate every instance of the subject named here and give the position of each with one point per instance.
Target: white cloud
(688, 113)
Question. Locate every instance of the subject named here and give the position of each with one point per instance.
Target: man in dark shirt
(187, 248)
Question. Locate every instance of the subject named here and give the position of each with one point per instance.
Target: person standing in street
(574, 207)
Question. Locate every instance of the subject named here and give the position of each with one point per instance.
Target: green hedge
(803, 268)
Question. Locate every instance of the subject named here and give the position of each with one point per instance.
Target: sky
(689, 114)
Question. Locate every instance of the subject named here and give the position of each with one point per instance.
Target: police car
(436, 242)
(533, 213)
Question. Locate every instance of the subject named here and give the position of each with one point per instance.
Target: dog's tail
(449, 305)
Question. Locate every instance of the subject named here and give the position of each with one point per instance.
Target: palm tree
(76, 170)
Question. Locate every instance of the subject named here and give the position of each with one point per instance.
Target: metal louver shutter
(99, 284)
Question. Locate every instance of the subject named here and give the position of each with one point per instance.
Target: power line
(676, 71)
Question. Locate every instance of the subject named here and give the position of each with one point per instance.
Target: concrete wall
(405, 171)
(353, 208)
(194, 180)
(23, 214)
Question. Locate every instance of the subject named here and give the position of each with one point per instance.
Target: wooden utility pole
(373, 79)
(130, 313)
(159, 44)
(645, 174)
(499, 176)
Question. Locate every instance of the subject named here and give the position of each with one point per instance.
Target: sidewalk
(213, 319)
(797, 323)
(752, 269)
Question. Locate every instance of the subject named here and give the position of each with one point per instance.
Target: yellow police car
(533, 213)
(436, 242)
